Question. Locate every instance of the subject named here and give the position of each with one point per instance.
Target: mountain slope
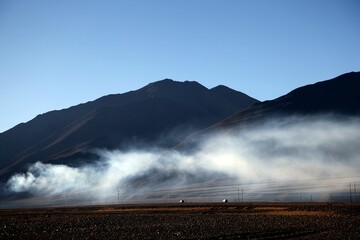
(337, 96)
(159, 114)
(239, 99)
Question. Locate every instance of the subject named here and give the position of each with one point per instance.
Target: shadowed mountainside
(339, 96)
(158, 115)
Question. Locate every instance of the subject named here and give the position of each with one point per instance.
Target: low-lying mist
(302, 155)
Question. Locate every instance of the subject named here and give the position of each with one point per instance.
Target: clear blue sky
(55, 54)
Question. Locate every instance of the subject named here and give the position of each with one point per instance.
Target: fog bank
(298, 154)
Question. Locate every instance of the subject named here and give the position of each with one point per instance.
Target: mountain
(337, 96)
(158, 115)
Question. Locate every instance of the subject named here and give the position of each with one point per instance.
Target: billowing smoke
(285, 155)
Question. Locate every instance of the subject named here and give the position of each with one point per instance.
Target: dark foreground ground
(185, 221)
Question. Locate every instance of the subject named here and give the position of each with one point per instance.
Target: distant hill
(340, 95)
(158, 115)
(337, 96)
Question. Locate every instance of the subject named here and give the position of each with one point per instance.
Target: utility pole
(355, 192)
(350, 193)
(238, 195)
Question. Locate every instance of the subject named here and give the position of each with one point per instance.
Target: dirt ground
(185, 221)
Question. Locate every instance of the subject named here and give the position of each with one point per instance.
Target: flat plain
(185, 221)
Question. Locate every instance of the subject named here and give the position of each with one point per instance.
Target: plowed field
(185, 221)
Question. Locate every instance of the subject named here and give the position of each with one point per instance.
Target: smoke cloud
(285, 155)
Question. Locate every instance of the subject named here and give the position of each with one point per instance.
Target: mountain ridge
(339, 95)
(138, 118)
(162, 114)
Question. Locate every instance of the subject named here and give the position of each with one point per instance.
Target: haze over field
(320, 154)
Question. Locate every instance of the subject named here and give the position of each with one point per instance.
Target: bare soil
(185, 221)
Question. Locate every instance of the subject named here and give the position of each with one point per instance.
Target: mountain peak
(220, 87)
(170, 82)
(236, 97)
(168, 88)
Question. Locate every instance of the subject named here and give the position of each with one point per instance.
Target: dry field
(185, 221)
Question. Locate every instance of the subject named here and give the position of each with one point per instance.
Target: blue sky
(55, 54)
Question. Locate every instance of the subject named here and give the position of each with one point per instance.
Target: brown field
(185, 221)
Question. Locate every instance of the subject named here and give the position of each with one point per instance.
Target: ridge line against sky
(56, 54)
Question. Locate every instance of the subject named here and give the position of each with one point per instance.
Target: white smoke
(278, 151)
